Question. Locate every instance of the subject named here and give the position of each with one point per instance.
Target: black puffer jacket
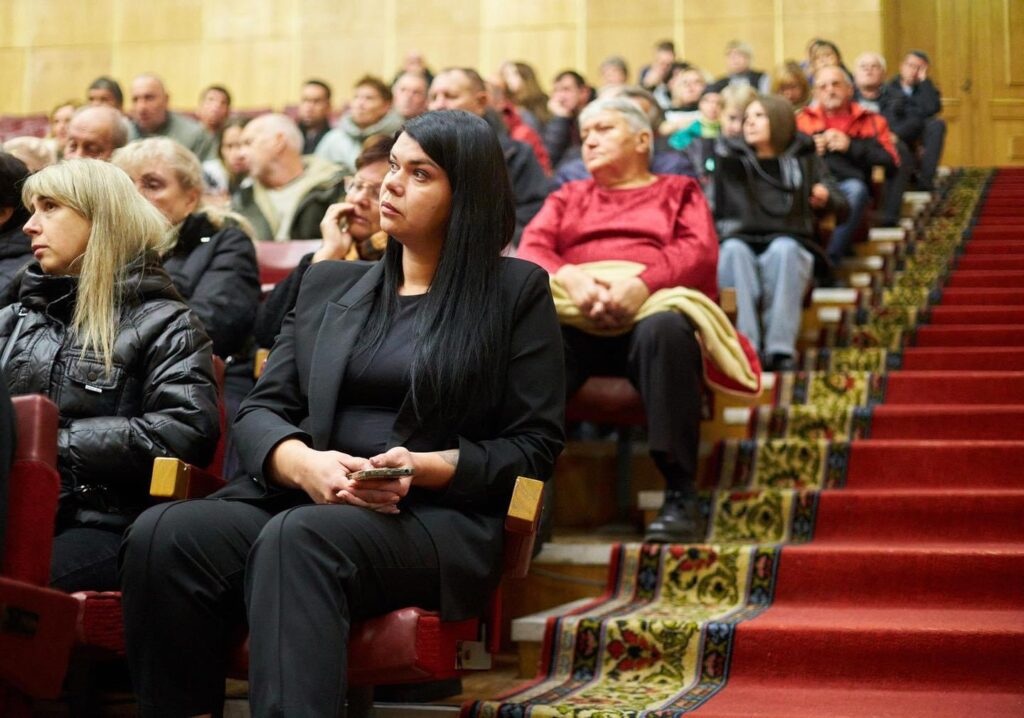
(15, 253)
(758, 200)
(160, 399)
(216, 272)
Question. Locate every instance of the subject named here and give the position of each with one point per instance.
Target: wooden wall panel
(263, 49)
(61, 73)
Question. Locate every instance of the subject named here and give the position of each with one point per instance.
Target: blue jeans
(856, 193)
(775, 280)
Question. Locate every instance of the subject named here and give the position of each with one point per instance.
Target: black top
(375, 385)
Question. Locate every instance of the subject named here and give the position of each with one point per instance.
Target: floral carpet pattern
(658, 643)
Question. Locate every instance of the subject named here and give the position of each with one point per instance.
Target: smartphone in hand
(388, 473)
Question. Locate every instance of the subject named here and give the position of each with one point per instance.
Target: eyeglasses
(354, 185)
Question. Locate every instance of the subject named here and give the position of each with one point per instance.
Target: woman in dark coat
(99, 328)
(767, 187)
(443, 358)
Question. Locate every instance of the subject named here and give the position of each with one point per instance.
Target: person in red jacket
(662, 222)
(852, 140)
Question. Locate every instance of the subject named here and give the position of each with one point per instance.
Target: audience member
(289, 193)
(101, 331)
(314, 114)
(462, 88)
(210, 258)
(35, 152)
(369, 113)
(614, 72)
(518, 129)
(410, 95)
(524, 90)
(872, 93)
(767, 187)
(655, 77)
(924, 98)
(15, 246)
(468, 403)
(708, 124)
(735, 99)
(738, 58)
(351, 230)
(665, 161)
(105, 91)
(223, 176)
(95, 132)
(824, 53)
(57, 133)
(662, 223)
(214, 108)
(852, 140)
(152, 118)
(790, 81)
(569, 95)
(686, 85)
(415, 63)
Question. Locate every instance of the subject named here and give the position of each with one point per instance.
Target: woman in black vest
(444, 358)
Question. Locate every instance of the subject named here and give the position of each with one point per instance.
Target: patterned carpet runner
(865, 551)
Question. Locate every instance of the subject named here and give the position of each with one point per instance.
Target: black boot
(676, 522)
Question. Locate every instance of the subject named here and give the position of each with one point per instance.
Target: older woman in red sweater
(662, 222)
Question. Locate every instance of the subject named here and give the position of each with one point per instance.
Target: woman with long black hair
(444, 358)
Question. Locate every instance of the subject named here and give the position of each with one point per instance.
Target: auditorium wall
(262, 49)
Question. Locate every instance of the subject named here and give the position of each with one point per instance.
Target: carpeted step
(1010, 221)
(962, 296)
(936, 516)
(902, 464)
(986, 335)
(994, 314)
(948, 422)
(993, 246)
(955, 387)
(968, 576)
(963, 358)
(905, 647)
(991, 262)
(1000, 234)
(744, 697)
(1008, 279)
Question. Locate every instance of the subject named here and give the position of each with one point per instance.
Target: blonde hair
(124, 228)
(738, 96)
(136, 156)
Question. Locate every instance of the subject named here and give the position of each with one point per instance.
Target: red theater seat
(278, 259)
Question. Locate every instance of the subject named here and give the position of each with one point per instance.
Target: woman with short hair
(444, 359)
(99, 328)
(767, 187)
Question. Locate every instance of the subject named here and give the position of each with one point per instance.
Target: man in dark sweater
(925, 100)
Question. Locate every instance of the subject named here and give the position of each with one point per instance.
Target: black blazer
(518, 433)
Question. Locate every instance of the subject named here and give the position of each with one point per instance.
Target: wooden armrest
(174, 480)
(727, 301)
(260, 362)
(521, 524)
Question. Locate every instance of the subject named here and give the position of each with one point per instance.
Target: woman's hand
(625, 297)
(384, 494)
(321, 474)
(819, 196)
(337, 240)
(585, 292)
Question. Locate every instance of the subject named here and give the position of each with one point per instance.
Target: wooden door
(977, 52)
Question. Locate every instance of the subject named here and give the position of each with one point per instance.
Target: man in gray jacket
(151, 118)
(369, 114)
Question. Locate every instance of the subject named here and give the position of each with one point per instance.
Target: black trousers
(896, 184)
(662, 359)
(85, 559)
(193, 571)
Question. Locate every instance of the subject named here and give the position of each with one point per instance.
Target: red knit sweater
(666, 226)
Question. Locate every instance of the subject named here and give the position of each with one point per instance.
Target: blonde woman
(99, 328)
(210, 258)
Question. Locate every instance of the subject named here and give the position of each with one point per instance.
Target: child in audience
(707, 125)
(99, 328)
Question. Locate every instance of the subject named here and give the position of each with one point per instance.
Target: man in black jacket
(462, 88)
(925, 100)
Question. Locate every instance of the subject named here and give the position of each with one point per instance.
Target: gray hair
(283, 124)
(871, 56)
(114, 119)
(635, 117)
